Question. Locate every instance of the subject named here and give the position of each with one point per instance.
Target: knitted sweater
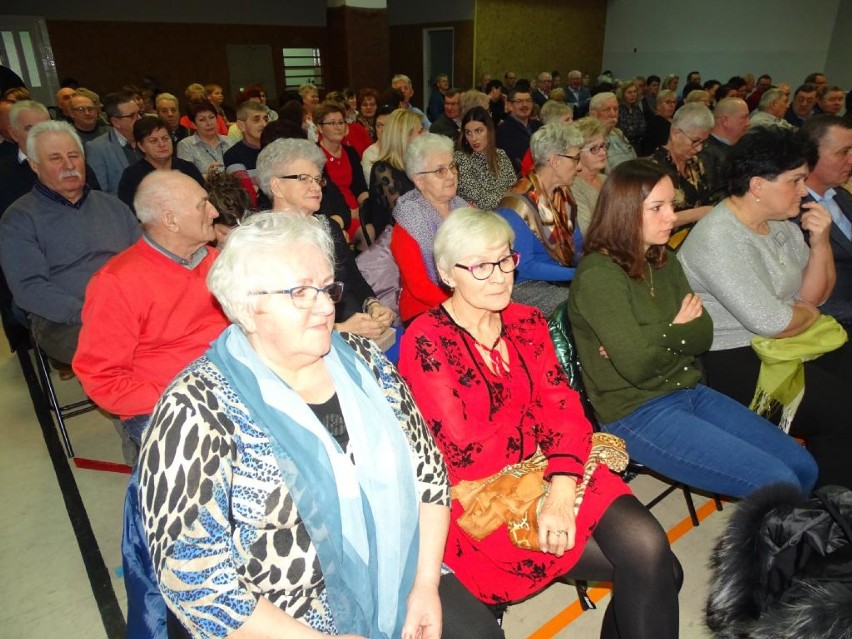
(146, 317)
(647, 355)
(49, 250)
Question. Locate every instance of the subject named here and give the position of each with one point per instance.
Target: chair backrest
(566, 352)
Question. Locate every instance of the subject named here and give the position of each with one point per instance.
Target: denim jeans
(709, 441)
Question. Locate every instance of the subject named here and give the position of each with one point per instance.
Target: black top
(656, 135)
(387, 184)
(445, 126)
(330, 415)
(135, 173)
(355, 287)
(242, 153)
(514, 138)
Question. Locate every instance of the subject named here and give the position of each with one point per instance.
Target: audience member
(649, 100)
(480, 358)
(53, 239)
(169, 111)
(590, 171)
(154, 141)
(310, 100)
(115, 150)
(730, 123)
(542, 91)
(830, 101)
(804, 101)
(659, 122)
(448, 122)
(638, 346)
(631, 120)
(509, 80)
(437, 99)
(216, 96)
(764, 83)
(418, 214)
(371, 154)
(402, 83)
(368, 103)
(817, 79)
(514, 133)
(147, 311)
(496, 101)
(241, 158)
(760, 281)
(604, 107)
(830, 166)
(771, 109)
(576, 92)
(63, 103)
(8, 148)
(84, 116)
(206, 147)
(485, 172)
(231, 201)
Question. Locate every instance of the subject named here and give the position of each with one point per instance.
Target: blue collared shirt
(831, 205)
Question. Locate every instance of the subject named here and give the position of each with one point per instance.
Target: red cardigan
(419, 293)
(144, 319)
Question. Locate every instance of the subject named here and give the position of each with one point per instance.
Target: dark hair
(478, 114)
(194, 109)
(391, 96)
(492, 84)
(807, 87)
(722, 91)
(385, 109)
(617, 222)
(522, 85)
(690, 87)
(693, 73)
(144, 127)
(765, 152)
(230, 199)
(710, 83)
(765, 75)
(811, 78)
(367, 92)
(653, 78)
(849, 105)
(518, 89)
(112, 100)
(736, 81)
(281, 128)
(814, 130)
(292, 111)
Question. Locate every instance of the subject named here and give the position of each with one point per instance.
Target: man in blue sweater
(55, 237)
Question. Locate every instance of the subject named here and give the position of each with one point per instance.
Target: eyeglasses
(335, 123)
(597, 148)
(305, 297)
(133, 116)
(484, 270)
(83, 109)
(576, 158)
(695, 143)
(521, 101)
(304, 178)
(443, 171)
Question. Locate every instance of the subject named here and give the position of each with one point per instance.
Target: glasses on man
(443, 171)
(305, 297)
(83, 109)
(695, 143)
(133, 116)
(484, 270)
(521, 101)
(597, 148)
(333, 123)
(304, 178)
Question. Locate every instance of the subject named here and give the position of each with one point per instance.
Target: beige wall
(538, 35)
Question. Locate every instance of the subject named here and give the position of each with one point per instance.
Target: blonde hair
(399, 126)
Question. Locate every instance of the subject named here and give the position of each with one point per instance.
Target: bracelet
(365, 307)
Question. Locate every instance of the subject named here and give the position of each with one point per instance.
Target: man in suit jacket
(575, 92)
(830, 163)
(115, 150)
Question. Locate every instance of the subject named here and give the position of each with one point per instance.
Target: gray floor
(45, 589)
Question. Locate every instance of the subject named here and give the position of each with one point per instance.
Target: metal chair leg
(49, 393)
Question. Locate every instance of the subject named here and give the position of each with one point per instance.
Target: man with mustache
(55, 237)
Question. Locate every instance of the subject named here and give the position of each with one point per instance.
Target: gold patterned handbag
(514, 495)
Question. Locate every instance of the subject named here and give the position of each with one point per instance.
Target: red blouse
(483, 422)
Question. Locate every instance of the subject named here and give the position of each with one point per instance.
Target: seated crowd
(237, 286)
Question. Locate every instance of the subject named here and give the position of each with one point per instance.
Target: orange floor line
(572, 612)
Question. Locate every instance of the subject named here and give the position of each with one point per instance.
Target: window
(302, 66)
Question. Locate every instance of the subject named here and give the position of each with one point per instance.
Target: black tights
(628, 548)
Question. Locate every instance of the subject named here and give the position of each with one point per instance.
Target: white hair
(277, 155)
(553, 138)
(693, 117)
(599, 98)
(422, 148)
(25, 105)
(50, 126)
(466, 229)
(245, 264)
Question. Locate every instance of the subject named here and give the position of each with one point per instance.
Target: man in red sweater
(148, 312)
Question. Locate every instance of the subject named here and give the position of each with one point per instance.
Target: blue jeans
(709, 441)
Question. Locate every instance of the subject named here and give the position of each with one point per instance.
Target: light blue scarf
(362, 518)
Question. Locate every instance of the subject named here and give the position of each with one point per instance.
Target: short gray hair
(693, 117)
(400, 77)
(276, 156)
(155, 193)
(466, 228)
(553, 112)
(243, 266)
(50, 126)
(552, 139)
(664, 95)
(422, 148)
(599, 98)
(165, 96)
(25, 105)
(769, 97)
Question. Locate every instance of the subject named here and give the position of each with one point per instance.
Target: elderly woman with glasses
(288, 484)
(590, 174)
(418, 214)
(484, 372)
(543, 216)
(691, 126)
(290, 174)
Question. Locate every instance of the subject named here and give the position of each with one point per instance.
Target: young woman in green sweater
(639, 329)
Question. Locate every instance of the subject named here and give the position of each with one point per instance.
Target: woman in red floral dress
(484, 374)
